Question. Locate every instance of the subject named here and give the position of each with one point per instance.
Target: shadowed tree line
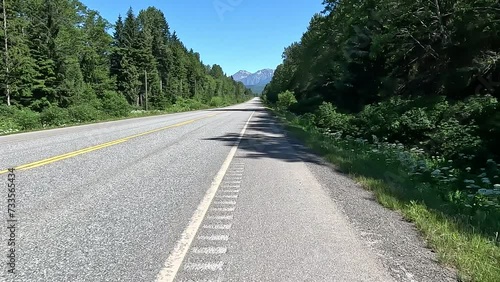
(421, 72)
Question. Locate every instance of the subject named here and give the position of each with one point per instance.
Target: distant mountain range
(255, 81)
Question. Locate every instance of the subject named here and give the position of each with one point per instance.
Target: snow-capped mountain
(261, 77)
(239, 76)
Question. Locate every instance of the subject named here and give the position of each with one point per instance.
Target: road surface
(212, 195)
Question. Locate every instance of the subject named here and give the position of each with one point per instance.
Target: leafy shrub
(83, 113)
(195, 104)
(414, 125)
(382, 119)
(161, 102)
(182, 105)
(40, 104)
(416, 120)
(54, 116)
(452, 138)
(7, 111)
(264, 100)
(27, 119)
(308, 120)
(327, 117)
(285, 100)
(114, 104)
(7, 125)
(88, 97)
(189, 104)
(477, 108)
(216, 101)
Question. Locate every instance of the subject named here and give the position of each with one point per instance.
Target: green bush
(87, 97)
(182, 104)
(7, 111)
(416, 120)
(27, 119)
(308, 120)
(414, 125)
(7, 125)
(452, 138)
(327, 117)
(83, 113)
(161, 102)
(382, 119)
(55, 116)
(39, 104)
(477, 108)
(115, 105)
(195, 104)
(216, 101)
(264, 100)
(285, 100)
(439, 126)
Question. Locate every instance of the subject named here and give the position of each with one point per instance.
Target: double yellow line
(99, 147)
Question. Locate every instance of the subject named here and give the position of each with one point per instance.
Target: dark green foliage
(286, 100)
(27, 119)
(424, 73)
(114, 104)
(216, 102)
(327, 116)
(83, 113)
(54, 116)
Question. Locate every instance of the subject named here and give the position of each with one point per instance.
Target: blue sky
(237, 34)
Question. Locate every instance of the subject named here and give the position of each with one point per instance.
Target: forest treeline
(421, 72)
(62, 62)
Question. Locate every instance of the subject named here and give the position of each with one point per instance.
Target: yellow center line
(98, 147)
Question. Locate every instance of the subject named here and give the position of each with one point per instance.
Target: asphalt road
(214, 195)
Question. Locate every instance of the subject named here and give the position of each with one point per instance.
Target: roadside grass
(132, 115)
(8, 124)
(458, 241)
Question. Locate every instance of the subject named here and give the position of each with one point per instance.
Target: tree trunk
(441, 24)
(6, 42)
(146, 88)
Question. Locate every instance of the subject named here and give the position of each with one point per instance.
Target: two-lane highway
(213, 195)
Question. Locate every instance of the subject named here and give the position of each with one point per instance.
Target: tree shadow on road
(265, 138)
(239, 110)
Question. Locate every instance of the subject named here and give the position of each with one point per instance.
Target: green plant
(382, 119)
(452, 138)
(114, 104)
(54, 116)
(27, 119)
(7, 125)
(327, 117)
(216, 101)
(285, 100)
(7, 111)
(83, 113)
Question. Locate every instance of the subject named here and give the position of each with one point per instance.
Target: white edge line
(176, 257)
